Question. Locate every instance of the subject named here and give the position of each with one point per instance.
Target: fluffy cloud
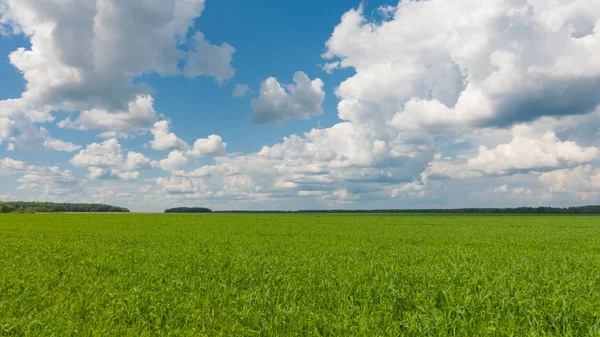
(206, 59)
(177, 185)
(211, 146)
(412, 189)
(296, 101)
(6, 129)
(526, 153)
(10, 166)
(174, 161)
(582, 181)
(468, 63)
(164, 139)
(18, 124)
(106, 161)
(531, 148)
(103, 173)
(51, 181)
(139, 116)
(116, 41)
(105, 154)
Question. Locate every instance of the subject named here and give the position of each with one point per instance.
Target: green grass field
(299, 275)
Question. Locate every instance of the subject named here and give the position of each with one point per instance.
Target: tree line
(593, 209)
(188, 210)
(50, 207)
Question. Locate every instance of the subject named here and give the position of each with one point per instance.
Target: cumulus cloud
(103, 173)
(10, 166)
(164, 139)
(50, 181)
(116, 41)
(531, 149)
(106, 161)
(526, 153)
(174, 161)
(211, 146)
(139, 116)
(177, 185)
(518, 191)
(469, 62)
(300, 100)
(582, 181)
(207, 59)
(6, 129)
(411, 189)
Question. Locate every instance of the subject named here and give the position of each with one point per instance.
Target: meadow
(299, 275)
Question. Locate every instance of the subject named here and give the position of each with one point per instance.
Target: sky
(288, 105)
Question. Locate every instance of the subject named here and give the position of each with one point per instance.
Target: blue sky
(352, 105)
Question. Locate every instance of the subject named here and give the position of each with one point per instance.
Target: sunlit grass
(299, 274)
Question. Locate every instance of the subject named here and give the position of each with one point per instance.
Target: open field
(299, 275)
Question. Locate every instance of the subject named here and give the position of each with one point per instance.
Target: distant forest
(188, 210)
(595, 209)
(50, 207)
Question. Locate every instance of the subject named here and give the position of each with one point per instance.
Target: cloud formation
(106, 161)
(492, 63)
(116, 41)
(300, 100)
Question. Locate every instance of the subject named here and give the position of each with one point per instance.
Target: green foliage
(299, 275)
(50, 207)
(188, 210)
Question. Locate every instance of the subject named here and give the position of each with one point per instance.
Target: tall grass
(299, 275)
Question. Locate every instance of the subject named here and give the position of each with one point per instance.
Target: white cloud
(174, 161)
(206, 59)
(211, 146)
(164, 139)
(501, 189)
(116, 41)
(181, 185)
(55, 144)
(241, 90)
(525, 153)
(103, 173)
(140, 116)
(105, 161)
(582, 181)
(10, 147)
(6, 129)
(135, 161)
(532, 147)
(9, 166)
(105, 154)
(430, 64)
(51, 181)
(295, 101)
(412, 189)
(516, 192)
